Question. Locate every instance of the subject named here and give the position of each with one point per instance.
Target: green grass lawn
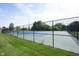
(11, 45)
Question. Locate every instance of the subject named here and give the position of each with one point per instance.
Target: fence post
(77, 35)
(52, 34)
(33, 36)
(13, 32)
(17, 32)
(10, 32)
(23, 32)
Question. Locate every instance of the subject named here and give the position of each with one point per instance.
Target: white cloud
(31, 12)
(51, 11)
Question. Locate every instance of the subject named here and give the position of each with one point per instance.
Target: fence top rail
(63, 19)
(25, 25)
(54, 20)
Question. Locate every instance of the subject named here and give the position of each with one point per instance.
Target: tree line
(37, 26)
(42, 26)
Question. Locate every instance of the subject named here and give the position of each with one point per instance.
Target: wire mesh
(54, 36)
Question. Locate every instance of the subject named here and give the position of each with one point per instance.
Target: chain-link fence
(55, 33)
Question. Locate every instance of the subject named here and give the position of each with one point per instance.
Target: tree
(11, 27)
(24, 29)
(60, 26)
(39, 25)
(34, 27)
(5, 30)
(73, 29)
(74, 26)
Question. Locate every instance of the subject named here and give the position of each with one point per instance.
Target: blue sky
(22, 13)
(19, 14)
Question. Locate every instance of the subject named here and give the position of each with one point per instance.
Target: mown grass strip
(11, 45)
